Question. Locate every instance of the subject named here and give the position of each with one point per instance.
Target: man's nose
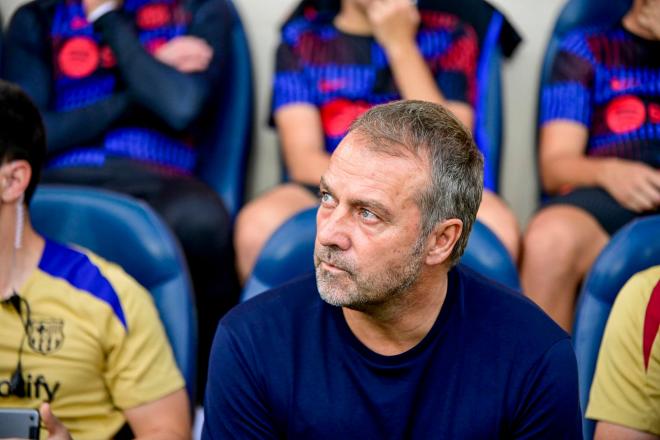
(333, 228)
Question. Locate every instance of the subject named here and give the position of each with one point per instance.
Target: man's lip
(331, 267)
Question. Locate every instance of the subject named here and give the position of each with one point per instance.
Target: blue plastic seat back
(290, 253)
(126, 231)
(488, 111)
(634, 248)
(225, 149)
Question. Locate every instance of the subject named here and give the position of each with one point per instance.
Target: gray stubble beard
(363, 293)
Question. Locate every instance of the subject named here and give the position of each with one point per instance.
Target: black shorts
(601, 205)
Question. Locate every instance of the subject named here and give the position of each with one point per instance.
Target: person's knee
(259, 219)
(253, 226)
(552, 237)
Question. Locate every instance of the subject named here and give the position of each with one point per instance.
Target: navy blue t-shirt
(286, 365)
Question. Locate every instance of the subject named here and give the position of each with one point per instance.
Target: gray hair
(429, 131)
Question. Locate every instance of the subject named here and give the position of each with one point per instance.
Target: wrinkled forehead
(362, 166)
(383, 145)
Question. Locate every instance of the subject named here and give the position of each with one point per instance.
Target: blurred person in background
(599, 153)
(123, 87)
(80, 339)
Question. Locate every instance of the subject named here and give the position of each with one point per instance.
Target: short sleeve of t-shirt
(290, 84)
(626, 385)
(140, 363)
(567, 95)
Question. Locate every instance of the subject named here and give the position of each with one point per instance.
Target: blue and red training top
(608, 80)
(100, 89)
(343, 75)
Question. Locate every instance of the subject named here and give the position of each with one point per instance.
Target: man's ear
(14, 179)
(442, 241)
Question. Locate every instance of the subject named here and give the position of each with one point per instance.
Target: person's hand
(394, 23)
(186, 54)
(649, 17)
(56, 430)
(634, 185)
(90, 5)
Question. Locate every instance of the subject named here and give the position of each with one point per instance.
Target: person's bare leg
(257, 221)
(499, 218)
(560, 245)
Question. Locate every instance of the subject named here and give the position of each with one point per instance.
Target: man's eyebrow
(324, 185)
(370, 204)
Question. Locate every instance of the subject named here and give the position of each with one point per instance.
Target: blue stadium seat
(127, 232)
(290, 252)
(225, 149)
(634, 248)
(488, 111)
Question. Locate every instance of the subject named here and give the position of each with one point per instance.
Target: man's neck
(397, 326)
(16, 265)
(352, 19)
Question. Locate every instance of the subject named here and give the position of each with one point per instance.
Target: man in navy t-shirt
(390, 340)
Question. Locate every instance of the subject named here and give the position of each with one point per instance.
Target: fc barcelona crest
(46, 335)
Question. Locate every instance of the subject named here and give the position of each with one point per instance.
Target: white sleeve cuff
(106, 7)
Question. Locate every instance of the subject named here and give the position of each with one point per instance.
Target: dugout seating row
(148, 250)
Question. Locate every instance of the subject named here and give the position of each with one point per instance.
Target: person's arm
(564, 165)
(140, 371)
(165, 418)
(174, 96)
(27, 63)
(395, 24)
(301, 136)
(235, 404)
(549, 406)
(297, 118)
(610, 431)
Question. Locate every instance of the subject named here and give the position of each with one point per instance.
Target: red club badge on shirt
(153, 16)
(78, 57)
(338, 115)
(625, 113)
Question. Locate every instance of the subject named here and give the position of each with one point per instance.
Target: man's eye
(368, 215)
(326, 198)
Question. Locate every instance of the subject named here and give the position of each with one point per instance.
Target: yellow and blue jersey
(626, 386)
(94, 346)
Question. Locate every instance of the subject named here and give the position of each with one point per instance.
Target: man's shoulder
(279, 307)
(507, 313)
(586, 41)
